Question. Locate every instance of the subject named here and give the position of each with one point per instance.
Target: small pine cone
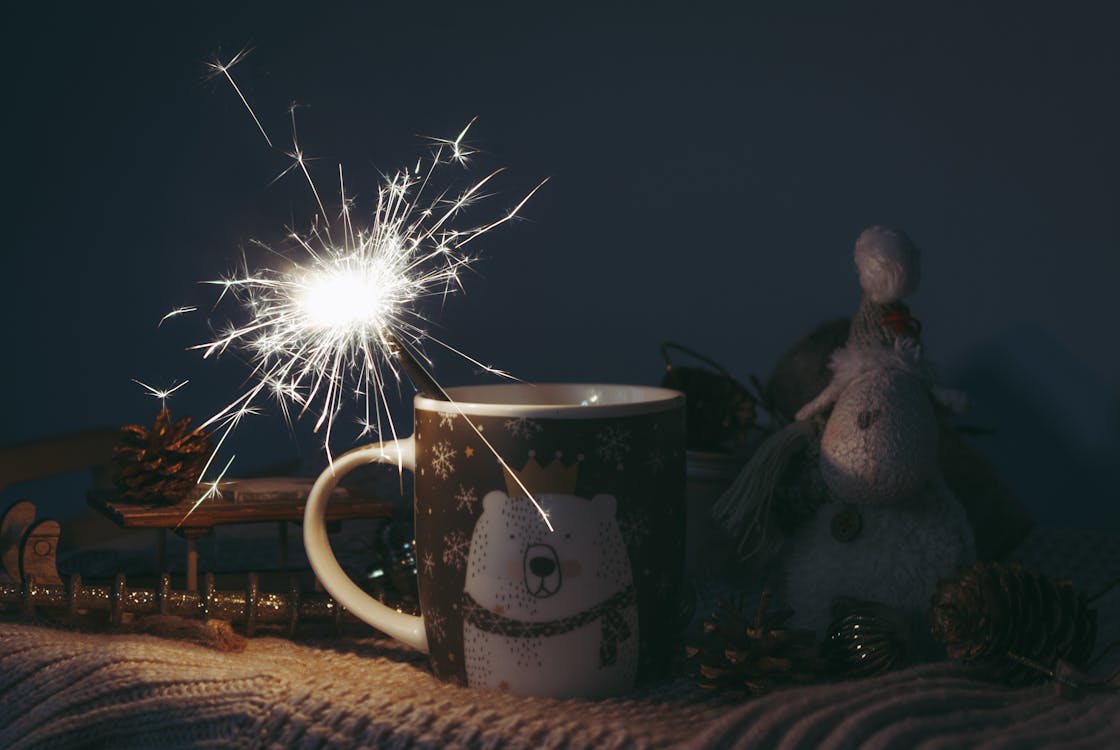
(1002, 618)
(162, 464)
(741, 658)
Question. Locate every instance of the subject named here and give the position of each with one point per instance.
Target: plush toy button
(846, 523)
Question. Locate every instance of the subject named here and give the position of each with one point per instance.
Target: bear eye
(567, 535)
(512, 536)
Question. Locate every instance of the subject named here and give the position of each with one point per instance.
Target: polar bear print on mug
(549, 613)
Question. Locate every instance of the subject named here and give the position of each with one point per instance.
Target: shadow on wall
(1057, 427)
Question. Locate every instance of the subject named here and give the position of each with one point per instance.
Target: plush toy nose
(542, 566)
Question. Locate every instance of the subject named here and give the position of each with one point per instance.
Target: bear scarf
(614, 626)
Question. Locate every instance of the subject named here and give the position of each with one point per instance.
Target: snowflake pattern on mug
(614, 444)
(447, 419)
(635, 527)
(465, 499)
(522, 427)
(456, 546)
(428, 563)
(435, 623)
(442, 455)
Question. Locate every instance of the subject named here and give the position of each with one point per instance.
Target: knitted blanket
(65, 689)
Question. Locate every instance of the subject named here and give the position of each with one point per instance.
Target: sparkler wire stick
(420, 377)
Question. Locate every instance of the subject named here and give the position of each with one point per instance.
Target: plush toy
(847, 502)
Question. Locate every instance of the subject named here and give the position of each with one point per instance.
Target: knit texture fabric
(65, 689)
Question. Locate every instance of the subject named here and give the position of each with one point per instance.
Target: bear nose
(542, 570)
(542, 566)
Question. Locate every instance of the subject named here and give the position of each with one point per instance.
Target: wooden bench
(270, 499)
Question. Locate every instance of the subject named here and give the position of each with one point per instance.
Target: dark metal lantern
(719, 409)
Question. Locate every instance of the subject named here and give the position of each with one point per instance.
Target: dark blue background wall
(711, 167)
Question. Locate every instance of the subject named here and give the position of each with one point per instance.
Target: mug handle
(408, 629)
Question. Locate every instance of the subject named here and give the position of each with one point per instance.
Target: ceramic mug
(549, 535)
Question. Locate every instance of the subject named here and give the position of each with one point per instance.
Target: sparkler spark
(174, 314)
(161, 393)
(214, 490)
(218, 68)
(337, 322)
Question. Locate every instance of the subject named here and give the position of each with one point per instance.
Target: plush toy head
(888, 264)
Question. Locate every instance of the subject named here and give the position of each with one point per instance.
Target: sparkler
(342, 319)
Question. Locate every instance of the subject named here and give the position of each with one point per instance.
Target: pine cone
(866, 639)
(1000, 617)
(159, 465)
(745, 659)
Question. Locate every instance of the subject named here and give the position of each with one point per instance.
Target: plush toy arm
(821, 403)
(952, 399)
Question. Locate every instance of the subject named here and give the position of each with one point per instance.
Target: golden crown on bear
(554, 479)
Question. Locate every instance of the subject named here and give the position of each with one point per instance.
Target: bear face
(516, 567)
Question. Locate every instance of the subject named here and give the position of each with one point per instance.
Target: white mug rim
(535, 400)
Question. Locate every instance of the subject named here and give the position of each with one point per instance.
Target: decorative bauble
(866, 639)
(159, 465)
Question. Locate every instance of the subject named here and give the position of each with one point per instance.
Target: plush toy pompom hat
(889, 264)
